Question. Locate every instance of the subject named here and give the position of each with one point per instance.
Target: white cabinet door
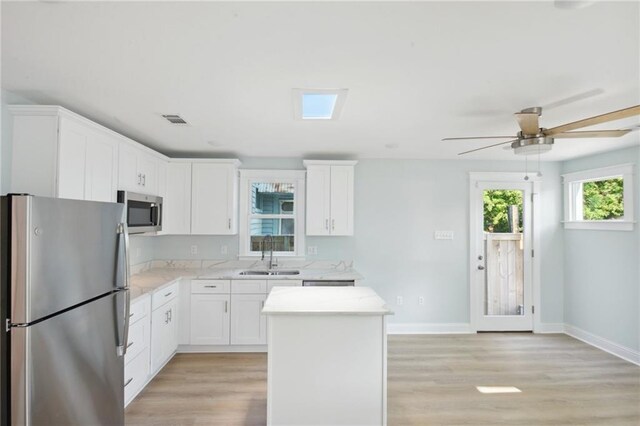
(86, 163)
(161, 178)
(210, 319)
(177, 200)
(318, 200)
(248, 325)
(184, 306)
(213, 199)
(101, 169)
(341, 200)
(72, 153)
(129, 178)
(148, 169)
(164, 333)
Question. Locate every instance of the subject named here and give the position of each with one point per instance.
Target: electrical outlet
(443, 235)
(421, 300)
(312, 250)
(399, 300)
(194, 249)
(224, 249)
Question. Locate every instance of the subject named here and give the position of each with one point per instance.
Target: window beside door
(599, 199)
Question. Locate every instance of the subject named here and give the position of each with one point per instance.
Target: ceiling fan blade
(528, 122)
(477, 137)
(488, 146)
(574, 98)
(592, 134)
(598, 119)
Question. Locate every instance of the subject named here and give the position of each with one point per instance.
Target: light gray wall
(602, 278)
(399, 204)
(7, 98)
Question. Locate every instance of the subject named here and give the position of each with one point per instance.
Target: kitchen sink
(283, 272)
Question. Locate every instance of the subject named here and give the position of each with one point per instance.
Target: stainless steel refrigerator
(64, 305)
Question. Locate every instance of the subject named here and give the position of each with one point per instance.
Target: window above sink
(272, 203)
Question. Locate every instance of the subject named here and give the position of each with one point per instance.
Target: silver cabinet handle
(333, 224)
(144, 180)
(211, 286)
(480, 268)
(131, 314)
(139, 178)
(168, 294)
(229, 224)
(128, 381)
(326, 224)
(226, 306)
(166, 317)
(171, 315)
(129, 345)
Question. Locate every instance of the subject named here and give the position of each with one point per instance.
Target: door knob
(480, 268)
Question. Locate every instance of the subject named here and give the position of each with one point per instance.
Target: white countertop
(324, 301)
(158, 277)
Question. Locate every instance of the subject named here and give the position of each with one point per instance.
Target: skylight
(318, 104)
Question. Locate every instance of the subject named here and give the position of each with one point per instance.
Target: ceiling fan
(533, 139)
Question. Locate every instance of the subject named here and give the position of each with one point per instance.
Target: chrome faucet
(269, 238)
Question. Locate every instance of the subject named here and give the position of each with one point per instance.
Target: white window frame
(295, 177)
(573, 198)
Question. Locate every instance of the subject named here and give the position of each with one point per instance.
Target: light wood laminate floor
(431, 381)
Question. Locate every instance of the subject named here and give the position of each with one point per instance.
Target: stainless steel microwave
(144, 212)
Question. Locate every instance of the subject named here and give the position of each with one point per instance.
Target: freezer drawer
(65, 370)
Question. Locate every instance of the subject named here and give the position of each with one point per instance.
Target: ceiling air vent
(174, 119)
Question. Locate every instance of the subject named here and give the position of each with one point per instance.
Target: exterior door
(501, 256)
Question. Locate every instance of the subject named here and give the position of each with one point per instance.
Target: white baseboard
(550, 327)
(429, 328)
(623, 352)
(221, 348)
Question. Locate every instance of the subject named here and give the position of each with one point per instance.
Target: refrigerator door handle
(122, 348)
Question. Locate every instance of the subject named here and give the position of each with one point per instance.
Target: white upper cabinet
(176, 217)
(330, 199)
(214, 197)
(57, 153)
(138, 170)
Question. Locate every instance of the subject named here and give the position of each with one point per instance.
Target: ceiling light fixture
(318, 104)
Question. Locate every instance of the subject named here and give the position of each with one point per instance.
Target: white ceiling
(416, 72)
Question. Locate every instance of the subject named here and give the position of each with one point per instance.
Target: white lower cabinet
(210, 319)
(248, 325)
(136, 373)
(136, 360)
(164, 333)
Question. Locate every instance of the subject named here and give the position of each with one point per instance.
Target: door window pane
(504, 256)
(272, 198)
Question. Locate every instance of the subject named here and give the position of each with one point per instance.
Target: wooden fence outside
(504, 290)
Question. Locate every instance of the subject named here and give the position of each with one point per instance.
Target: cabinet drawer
(136, 373)
(138, 339)
(160, 297)
(283, 283)
(139, 309)
(210, 286)
(248, 286)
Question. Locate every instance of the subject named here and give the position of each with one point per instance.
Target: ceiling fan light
(532, 146)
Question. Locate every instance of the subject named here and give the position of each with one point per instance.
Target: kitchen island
(327, 359)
